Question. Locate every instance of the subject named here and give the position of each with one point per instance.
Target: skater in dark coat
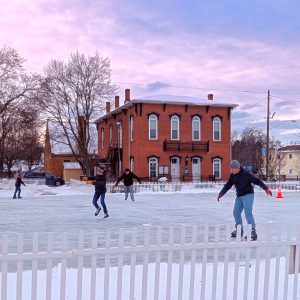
(243, 180)
(100, 190)
(128, 177)
(18, 187)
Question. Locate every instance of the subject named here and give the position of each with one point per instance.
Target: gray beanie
(235, 164)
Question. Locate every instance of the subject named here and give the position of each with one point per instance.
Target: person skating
(128, 177)
(100, 191)
(243, 180)
(18, 187)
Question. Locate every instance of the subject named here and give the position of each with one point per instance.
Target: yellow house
(291, 168)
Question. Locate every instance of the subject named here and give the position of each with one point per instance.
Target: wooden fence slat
(237, 263)
(63, 275)
(93, 266)
(19, 267)
(204, 262)
(247, 262)
(277, 265)
(145, 261)
(181, 263)
(286, 275)
(215, 263)
(267, 263)
(106, 265)
(80, 265)
(169, 265)
(120, 265)
(157, 264)
(296, 267)
(226, 260)
(132, 264)
(49, 267)
(35, 250)
(4, 268)
(193, 263)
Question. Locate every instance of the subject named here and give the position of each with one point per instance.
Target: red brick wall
(142, 147)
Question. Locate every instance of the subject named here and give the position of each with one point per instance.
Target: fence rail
(152, 262)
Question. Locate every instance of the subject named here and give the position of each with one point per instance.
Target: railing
(153, 262)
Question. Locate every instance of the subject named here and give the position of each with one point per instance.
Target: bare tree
(73, 94)
(277, 160)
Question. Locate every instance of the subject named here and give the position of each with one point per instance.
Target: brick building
(181, 138)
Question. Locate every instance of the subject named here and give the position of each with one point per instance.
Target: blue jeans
(129, 190)
(18, 190)
(244, 203)
(102, 198)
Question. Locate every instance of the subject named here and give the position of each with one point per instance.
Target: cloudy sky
(236, 50)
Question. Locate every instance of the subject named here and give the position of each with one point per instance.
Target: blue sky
(189, 48)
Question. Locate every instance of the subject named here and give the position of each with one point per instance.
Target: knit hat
(235, 164)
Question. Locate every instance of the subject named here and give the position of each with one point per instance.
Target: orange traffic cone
(279, 192)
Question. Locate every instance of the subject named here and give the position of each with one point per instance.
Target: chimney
(210, 97)
(107, 107)
(127, 95)
(117, 101)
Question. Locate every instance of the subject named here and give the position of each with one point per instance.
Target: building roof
(290, 148)
(168, 99)
(72, 165)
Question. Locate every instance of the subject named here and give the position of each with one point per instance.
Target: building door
(196, 169)
(175, 168)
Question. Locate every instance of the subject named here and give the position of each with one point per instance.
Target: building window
(175, 128)
(217, 129)
(196, 129)
(290, 171)
(290, 156)
(131, 128)
(110, 135)
(152, 127)
(153, 167)
(131, 164)
(217, 168)
(102, 137)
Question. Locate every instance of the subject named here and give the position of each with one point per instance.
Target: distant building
(181, 138)
(291, 168)
(57, 152)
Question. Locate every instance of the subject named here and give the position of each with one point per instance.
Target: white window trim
(156, 127)
(156, 161)
(131, 129)
(132, 164)
(175, 117)
(220, 164)
(196, 119)
(110, 135)
(102, 138)
(220, 139)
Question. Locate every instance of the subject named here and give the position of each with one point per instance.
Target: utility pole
(268, 138)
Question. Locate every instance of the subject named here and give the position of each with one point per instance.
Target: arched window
(217, 167)
(152, 127)
(131, 128)
(196, 127)
(102, 137)
(175, 128)
(153, 167)
(217, 129)
(110, 135)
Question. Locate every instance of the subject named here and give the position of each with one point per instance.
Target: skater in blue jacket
(243, 180)
(18, 187)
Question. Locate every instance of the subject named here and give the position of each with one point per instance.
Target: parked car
(50, 179)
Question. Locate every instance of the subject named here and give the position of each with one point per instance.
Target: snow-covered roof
(59, 143)
(290, 148)
(169, 99)
(72, 165)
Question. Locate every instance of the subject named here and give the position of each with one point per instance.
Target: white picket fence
(153, 262)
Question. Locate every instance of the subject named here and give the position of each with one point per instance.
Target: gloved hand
(219, 197)
(268, 191)
(140, 182)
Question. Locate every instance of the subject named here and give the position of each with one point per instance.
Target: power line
(198, 88)
(287, 99)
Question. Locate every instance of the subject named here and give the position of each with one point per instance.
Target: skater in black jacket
(243, 180)
(128, 177)
(18, 187)
(100, 190)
